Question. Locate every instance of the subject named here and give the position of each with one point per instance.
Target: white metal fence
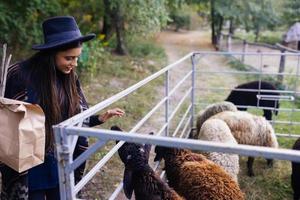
(196, 80)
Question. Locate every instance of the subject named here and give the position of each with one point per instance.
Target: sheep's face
(134, 156)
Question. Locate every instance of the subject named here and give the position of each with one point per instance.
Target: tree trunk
(231, 27)
(220, 26)
(257, 31)
(213, 18)
(108, 27)
(119, 26)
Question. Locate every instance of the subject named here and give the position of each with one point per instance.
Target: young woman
(48, 78)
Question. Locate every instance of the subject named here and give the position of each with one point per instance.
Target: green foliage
(146, 17)
(180, 20)
(21, 21)
(269, 37)
(142, 48)
(87, 13)
(93, 55)
(258, 15)
(291, 13)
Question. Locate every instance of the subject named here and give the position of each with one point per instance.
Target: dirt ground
(178, 44)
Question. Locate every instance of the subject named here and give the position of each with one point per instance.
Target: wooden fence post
(281, 66)
(245, 45)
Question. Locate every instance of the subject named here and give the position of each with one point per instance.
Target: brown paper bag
(22, 134)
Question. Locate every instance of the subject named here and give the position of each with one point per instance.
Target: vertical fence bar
(193, 91)
(295, 89)
(281, 66)
(229, 43)
(244, 51)
(259, 76)
(167, 82)
(61, 169)
(65, 157)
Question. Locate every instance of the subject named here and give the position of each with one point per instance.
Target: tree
(259, 15)
(21, 22)
(291, 12)
(141, 17)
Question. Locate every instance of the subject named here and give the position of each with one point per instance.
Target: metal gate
(183, 88)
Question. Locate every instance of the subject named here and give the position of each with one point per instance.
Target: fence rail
(67, 132)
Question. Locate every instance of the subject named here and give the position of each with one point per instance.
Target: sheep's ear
(127, 183)
(115, 128)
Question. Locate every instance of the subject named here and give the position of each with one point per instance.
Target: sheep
(217, 130)
(195, 177)
(249, 98)
(295, 177)
(211, 110)
(139, 176)
(251, 130)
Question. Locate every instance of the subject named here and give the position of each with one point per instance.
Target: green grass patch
(269, 37)
(112, 74)
(268, 183)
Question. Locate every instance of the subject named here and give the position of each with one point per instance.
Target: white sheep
(211, 110)
(249, 129)
(217, 130)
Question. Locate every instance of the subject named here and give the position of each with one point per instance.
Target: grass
(120, 72)
(270, 183)
(115, 74)
(269, 37)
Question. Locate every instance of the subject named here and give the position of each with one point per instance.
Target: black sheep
(140, 177)
(295, 178)
(249, 98)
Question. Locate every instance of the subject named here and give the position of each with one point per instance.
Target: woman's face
(66, 60)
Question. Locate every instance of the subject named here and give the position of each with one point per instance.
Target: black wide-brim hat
(60, 31)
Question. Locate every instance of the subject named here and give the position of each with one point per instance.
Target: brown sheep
(195, 177)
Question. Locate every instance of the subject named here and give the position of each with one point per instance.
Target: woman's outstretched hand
(111, 113)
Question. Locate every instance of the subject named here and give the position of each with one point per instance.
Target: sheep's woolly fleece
(217, 130)
(211, 110)
(200, 178)
(248, 128)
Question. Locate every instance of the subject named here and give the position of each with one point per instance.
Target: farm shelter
(179, 91)
(292, 36)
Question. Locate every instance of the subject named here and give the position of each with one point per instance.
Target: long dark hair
(56, 92)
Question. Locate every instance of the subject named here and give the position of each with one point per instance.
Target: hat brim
(62, 43)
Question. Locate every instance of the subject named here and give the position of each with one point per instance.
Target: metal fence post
(167, 81)
(64, 157)
(58, 148)
(193, 90)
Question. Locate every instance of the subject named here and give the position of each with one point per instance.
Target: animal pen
(179, 91)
